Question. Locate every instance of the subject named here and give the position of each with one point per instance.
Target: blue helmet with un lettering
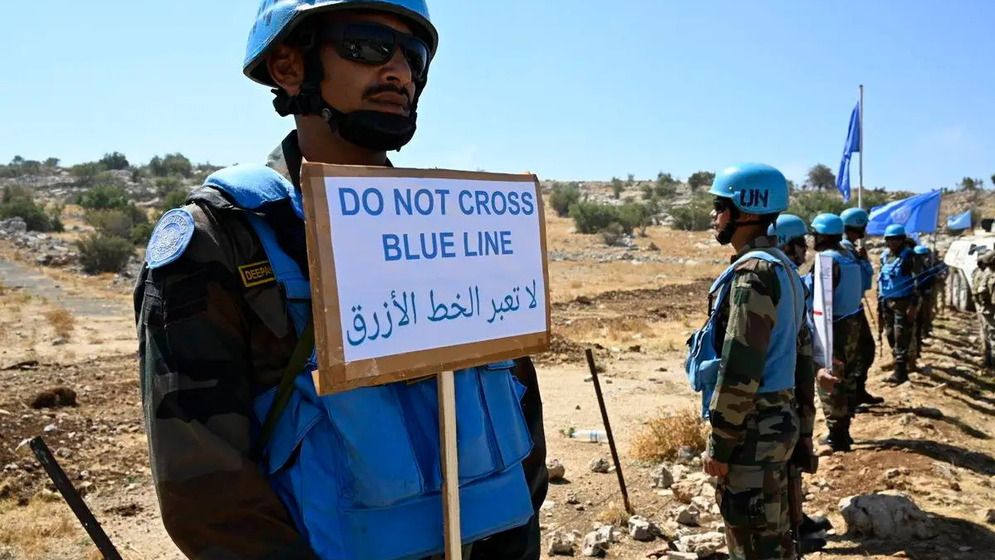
(753, 188)
(921, 250)
(894, 230)
(787, 228)
(854, 217)
(827, 224)
(277, 19)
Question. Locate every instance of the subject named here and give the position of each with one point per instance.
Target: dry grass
(30, 530)
(614, 514)
(62, 321)
(664, 435)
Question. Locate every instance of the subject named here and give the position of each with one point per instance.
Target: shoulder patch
(256, 274)
(170, 238)
(751, 265)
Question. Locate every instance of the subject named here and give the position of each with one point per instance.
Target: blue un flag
(917, 213)
(852, 145)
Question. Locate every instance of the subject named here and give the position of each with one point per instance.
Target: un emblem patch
(170, 238)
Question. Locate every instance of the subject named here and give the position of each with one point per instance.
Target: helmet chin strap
(724, 237)
(374, 130)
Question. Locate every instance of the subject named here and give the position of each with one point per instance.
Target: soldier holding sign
(840, 403)
(224, 316)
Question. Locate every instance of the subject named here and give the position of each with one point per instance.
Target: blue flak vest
(359, 471)
(892, 282)
(704, 358)
(848, 292)
(866, 268)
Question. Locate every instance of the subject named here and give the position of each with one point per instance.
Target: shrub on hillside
(695, 215)
(592, 217)
(19, 202)
(612, 234)
(104, 197)
(103, 253)
(128, 222)
(564, 196)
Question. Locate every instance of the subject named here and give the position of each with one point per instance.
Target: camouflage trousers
(899, 327)
(753, 497)
(841, 403)
(986, 320)
(927, 310)
(867, 347)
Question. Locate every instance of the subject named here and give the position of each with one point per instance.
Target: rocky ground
(931, 442)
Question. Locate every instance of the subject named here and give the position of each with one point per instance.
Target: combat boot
(838, 438)
(808, 545)
(901, 374)
(863, 397)
(813, 526)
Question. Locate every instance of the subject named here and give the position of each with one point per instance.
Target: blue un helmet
(787, 228)
(277, 19)
(921, 250)
(894, 230)
(827, 224)
(753, 188)
(854, 217)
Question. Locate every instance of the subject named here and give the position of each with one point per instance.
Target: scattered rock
(704, 544)
(990, 517)
(892, 473)
(886, 515)
(561, 544)
(662, 477)
(599, 465)
(688, 515)
(594, 545)
(678, 555)
(928, 412)
(642, 529)
(56, 397)
(556, 470)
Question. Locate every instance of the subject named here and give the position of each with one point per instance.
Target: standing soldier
(927, 291)
(983, 290)
(898, 299)
(214, 346)
(839, 404)
(750, 353)
(854, 229)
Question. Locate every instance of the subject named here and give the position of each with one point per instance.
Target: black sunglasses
(375, 44)
(720, 204)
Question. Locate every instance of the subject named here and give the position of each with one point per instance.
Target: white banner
(434, 262)
(822, 308)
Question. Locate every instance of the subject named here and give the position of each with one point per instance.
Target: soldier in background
(898, 299)
(927, 290)
(983, 291)
(854, 229)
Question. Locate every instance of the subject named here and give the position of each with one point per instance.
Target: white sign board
(822, 308)
(423, 270)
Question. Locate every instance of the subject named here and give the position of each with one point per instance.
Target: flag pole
(860, 185)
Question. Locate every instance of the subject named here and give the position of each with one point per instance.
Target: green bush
(19, 202)
(592, 217)
(114, 160)
(171, 164)
(175, 199)
(633, 215)
(612, 234)
(119, 222)
(141, 233)
(564, 196)
(104, 253)
(104, 197)
(696, 215)
(617, 187)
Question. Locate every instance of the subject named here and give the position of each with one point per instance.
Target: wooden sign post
(423, 272)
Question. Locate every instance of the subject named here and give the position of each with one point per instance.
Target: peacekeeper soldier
(854, 229)
(224, 314)
(790, 231)
(839, 404)
(983, 291)
(898, 299)
(927, 291)
(750, 356)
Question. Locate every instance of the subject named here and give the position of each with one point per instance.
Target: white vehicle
(962, 258)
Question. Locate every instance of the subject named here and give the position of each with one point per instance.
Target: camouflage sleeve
(752, 310)
(805, 381)
(196, 396)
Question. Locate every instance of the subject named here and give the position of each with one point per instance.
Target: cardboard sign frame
(334, 374)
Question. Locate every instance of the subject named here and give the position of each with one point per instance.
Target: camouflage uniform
(865, 340)
(208, 344)
(983, 292)
(755, 433)
(898, 323)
